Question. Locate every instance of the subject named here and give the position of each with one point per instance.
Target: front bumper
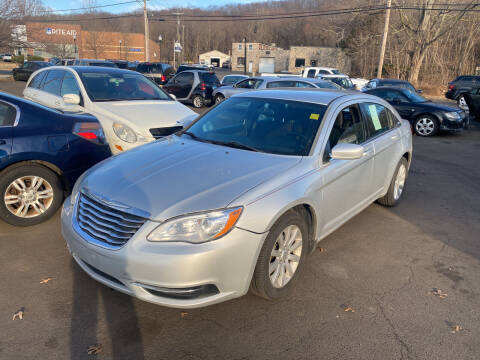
(141, 267)
(455, 126)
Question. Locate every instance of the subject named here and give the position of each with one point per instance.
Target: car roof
(82, 68)
(392, 80)
(331, 76)
(323, 97)
(394, 88)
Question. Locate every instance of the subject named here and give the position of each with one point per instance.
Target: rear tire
(29, 195)
(282, 257)
(395, 190)
(197, 101)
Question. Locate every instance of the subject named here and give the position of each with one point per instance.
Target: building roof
(214, 53)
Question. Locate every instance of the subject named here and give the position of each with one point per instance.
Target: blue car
(42, 153)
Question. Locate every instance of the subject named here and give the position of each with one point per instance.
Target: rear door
(383, 132)
(8, 115)
(185, 82)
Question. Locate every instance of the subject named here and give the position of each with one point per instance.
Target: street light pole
(145, 19)
(159, 41)
(75, 45)
(120, 55)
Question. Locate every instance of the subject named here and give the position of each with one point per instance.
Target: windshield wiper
(235, 144)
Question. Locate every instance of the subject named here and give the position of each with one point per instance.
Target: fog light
(190, 293)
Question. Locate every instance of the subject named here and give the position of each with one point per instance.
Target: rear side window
(301, 84)
(378, 119)
(280, 84)
(53, 81)
(69, 85)
(311, 73)
(209, 78)
(37, 80)
(7, 114)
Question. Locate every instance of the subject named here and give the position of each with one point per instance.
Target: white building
(215, 58)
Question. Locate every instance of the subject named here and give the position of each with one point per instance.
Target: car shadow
(102, 320)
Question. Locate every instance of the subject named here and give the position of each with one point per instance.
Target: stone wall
(255, 51)
(319, 56)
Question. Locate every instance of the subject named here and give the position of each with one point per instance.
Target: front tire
(197, 101)
(395, 190)
(425, 125)
(219, 98)
(29, 194)
(282, 257)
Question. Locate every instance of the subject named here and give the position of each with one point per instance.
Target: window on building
(313, 62)
(250, 47)
(239, 46)
(240, 60)
(299, 62)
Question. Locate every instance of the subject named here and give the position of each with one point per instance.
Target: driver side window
(347, 129)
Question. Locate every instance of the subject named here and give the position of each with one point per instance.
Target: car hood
(176, 176)
(146, 114)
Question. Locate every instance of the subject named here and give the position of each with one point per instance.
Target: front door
(49, 92)
(347, 186)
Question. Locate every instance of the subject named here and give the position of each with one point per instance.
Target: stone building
(261, 58)
(304, 56)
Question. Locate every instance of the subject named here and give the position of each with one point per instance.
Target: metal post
(384, 40)
(145, 19)
(245, 57)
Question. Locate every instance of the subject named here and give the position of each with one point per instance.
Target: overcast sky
(152, 4)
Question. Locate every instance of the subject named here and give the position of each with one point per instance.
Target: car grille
(158, 133)
(105, 225)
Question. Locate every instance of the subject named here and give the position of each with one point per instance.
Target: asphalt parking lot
(393, 283)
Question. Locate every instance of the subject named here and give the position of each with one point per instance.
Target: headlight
(452, 115)
(124, 133)
(197, 228)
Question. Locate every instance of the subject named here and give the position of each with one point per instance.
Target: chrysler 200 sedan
(239, 198)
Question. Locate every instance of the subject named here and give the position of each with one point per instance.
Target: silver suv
(238, 199)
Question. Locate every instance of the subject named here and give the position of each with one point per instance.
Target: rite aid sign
(54, 31)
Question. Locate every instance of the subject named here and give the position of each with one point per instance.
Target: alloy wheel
(28, 196)
(197, 102)
(399, 182)
(425, 126)
(285, 256)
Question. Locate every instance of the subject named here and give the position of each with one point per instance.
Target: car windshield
(118, 86)
(266, 125)
(210, 78)
(150, 68)
(328, 85)
(336, 72)
(403, 85)
(414, 97)
(343, 82)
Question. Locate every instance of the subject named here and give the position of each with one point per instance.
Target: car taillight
(451, 87)
(203, 86)
(91, 131)
(163, 78)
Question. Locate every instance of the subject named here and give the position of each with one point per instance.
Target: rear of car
(460, 86)
(158, 72)
(191, 67)
(208, 82)
(44, 153)
(7, 57)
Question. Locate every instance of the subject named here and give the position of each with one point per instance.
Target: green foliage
(20, 58)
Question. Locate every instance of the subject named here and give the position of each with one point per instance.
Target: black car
(158, 72)
(193, 86)
(121, 64)
(472, 99)
(24, 71)
(404, 84)
(42, 153)
(461, 86)
(426, 117)
(192, 67)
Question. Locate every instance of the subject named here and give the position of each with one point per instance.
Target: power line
(87, 7)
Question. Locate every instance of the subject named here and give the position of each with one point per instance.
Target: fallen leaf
(45, 281)
(439, 293)
(183, 314)
(94, 349)
(456, 329)
(19, 314)
(322, 249)
(349, 309)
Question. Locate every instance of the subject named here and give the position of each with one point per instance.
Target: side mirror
(173, 97)
(347, 152)
(71, 99)
(419, 91)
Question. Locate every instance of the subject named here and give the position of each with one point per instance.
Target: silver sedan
(237, 200)
(271, 82)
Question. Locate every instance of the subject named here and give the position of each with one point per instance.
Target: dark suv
(193, 86)
(158, 72)
(460, 86)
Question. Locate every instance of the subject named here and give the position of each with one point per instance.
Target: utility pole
(177, 39)
(147, 40)
(384, 39)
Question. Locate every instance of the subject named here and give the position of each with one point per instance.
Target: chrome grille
(105, 225)
(158, 133)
